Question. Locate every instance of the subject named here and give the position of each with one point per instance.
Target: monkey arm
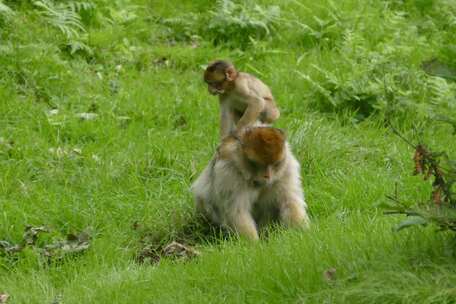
(272, 112)
(290, 198)
(245, 226)
(240, 218)
(226, 120)
(252, 113)
(233, 198)
(293, 213)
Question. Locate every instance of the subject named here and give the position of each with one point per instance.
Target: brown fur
(219, 66)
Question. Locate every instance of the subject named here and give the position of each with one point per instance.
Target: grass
(332, 67)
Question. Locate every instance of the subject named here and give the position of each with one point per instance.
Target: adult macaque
(252, 180)
(244, 99)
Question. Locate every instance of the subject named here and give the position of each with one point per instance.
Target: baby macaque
(252, 180)
(244, 99)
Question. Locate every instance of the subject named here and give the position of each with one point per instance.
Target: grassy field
(105, 122)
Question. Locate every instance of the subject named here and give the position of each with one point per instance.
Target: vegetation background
(105, 122)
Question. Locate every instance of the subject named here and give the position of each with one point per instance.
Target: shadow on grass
(178, 240)
(178, 243)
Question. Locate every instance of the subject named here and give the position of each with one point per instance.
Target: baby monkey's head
(264, 153)
(220, 76)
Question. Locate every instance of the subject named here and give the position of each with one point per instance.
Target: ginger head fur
(263, 145)
(259, 154)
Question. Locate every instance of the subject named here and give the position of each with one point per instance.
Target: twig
(406, 212)
(395, 131)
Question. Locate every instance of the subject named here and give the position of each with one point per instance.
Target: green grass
(157, 127)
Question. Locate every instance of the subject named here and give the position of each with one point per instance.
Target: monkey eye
(253, 164)
(277, 163)
(215, 83)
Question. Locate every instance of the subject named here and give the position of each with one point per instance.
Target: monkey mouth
(263, 183)
(214, 91)
(259, 184)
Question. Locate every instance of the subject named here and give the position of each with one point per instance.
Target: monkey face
(220, 77)
(217, 82)
(264, 175)
(263, 153)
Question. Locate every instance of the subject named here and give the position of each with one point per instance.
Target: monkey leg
(269, 116)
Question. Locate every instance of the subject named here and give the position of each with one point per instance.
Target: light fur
(226, 193)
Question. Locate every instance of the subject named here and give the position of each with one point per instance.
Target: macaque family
(244, 99)
(253, 178)
(251, 181)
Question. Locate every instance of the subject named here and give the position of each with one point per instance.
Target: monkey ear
(230, 73)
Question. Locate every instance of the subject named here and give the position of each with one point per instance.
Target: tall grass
(105, 122)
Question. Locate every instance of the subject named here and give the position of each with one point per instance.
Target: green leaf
(435, 67)
(388, 205)
(4, 9)
(411, 221)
